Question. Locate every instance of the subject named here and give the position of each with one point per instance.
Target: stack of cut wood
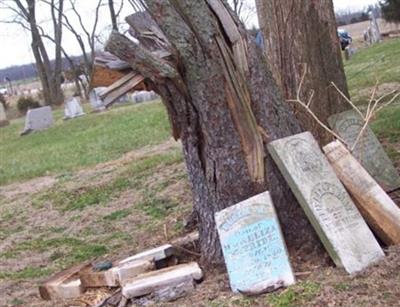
(116, 75)
(154, 275)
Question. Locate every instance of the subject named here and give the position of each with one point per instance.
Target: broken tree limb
(381, 213)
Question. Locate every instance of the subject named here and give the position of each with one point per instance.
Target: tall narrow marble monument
(368, 151)
(334, 216)
(38, 119)
(253, 246)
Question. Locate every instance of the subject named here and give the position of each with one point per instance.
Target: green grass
(387, 123)
(117, 215)
(297, 295)
(27, 273)
(83, 197)
(380, 62)
(85, 141)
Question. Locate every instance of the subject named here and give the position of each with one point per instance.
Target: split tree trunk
(299, 35)
(224, 105)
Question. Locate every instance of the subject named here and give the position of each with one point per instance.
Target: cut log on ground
(169, 277)
(65, 284)
(381, 213)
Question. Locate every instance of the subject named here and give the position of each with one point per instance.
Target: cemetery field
(108, 185)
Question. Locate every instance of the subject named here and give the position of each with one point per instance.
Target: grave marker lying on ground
(117, 275)
(155, 254)
(65, 284)
(381, 213)
(38, 119)
(73, 109)
(253, 246)
(368, 151)
(341, 228)
(3, 118)
(156, 280)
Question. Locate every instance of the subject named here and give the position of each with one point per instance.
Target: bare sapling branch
(307, 106)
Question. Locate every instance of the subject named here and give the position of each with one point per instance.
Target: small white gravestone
(143, 96)
(253, 246)
(38, 119)
(3, 118)
(328, 206)
(73, 109)
(95, 101)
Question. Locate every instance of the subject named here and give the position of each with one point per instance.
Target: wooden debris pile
(154, 275)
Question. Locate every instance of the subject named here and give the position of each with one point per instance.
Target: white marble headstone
(328, 206)
(95, 101)
(38, 119)
(3, 118)
(253, 246)
(73, 109)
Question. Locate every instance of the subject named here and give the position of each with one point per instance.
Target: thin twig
(306, 106)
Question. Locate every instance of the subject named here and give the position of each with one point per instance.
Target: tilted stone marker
(253, 246)
(38, 119)
(368, 151)
(340, 226)
(379, 210)
(73, 109)
(154, 254)
(3, 118)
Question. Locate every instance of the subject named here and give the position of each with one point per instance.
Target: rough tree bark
(299, 35)
(224, 105)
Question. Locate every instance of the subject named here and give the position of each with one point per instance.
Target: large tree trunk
(224, 105)
(302, 35)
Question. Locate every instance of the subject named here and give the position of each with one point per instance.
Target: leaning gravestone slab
(253, 246)
(73, 109)
(368, 151)
(342, 230)
(38, 119)
(3, 118)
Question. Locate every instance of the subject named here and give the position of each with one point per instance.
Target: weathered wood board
(381, 213)
(155, 254)
(65, 284)
(368, 151)
(117, 275)
(253, 246)
(339, 224)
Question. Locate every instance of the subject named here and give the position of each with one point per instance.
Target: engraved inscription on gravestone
(253, 246)
(368, 151)
(342, 230)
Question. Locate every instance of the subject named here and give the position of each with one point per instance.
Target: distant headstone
(3, 118)
(341, 228)
(73, 109)
(253, 246)
(143, 96)
(368, 151)
(95, 101)
(38, 119)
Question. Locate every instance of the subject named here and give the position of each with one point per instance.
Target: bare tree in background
(245, 9)
(24, 14)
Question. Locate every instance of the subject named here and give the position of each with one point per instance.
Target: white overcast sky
(15, 42)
